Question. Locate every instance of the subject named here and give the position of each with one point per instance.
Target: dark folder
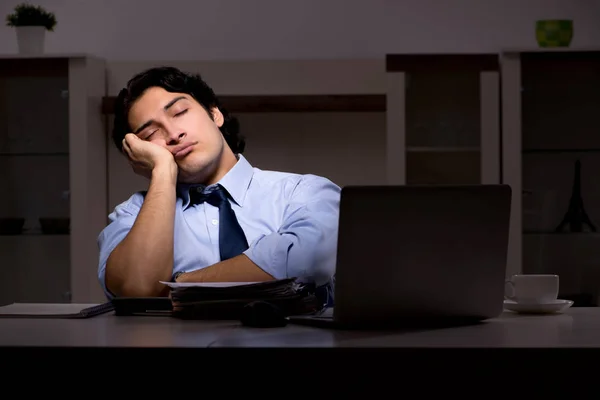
(57, 310)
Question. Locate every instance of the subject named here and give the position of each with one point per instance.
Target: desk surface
(578, 327)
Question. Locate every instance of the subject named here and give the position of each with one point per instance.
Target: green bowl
(554, 32)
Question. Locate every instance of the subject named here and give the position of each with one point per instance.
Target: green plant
(29, 15)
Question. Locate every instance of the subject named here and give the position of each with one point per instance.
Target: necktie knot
(215, 197)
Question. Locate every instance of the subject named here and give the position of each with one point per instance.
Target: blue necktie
(232, 241)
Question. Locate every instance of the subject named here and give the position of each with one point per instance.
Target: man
(208, 215)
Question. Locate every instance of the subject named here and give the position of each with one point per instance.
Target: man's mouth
(182, 151)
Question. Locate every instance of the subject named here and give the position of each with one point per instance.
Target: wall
(275, 29)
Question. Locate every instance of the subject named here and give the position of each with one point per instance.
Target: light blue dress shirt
(290, 222)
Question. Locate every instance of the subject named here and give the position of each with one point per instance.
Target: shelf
(559, 151)
(427, 149)
(34, 154)
(33, 234)
(49, 66)
(290, 103)
(558, 55)
(552, 50)
(561, 233)
(441, 62)
(459, 167)
(17, 56)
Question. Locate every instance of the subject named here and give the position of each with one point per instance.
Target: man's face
(180, 124)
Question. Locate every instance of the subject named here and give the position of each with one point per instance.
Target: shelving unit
(53, 158)
(443, 119)
(550, 116)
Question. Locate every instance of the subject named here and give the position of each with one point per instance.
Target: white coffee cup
(532, 288)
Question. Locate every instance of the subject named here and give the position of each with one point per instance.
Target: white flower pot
(31, 39)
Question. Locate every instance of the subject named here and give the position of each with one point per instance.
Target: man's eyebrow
(144, 126)
(166, 107)
(175, 100)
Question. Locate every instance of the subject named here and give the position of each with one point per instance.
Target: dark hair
(172, 80)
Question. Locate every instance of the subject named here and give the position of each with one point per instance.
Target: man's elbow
(121, 287)
(136, 290)
(141, 291)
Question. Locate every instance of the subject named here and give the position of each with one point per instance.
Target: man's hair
(172, 80)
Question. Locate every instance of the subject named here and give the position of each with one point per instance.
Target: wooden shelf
(528, 232)
(290, 103)
(560, 151)
(33, 67)
(554, 50)
(29, 234)
(39, 154)
(561, 55)
(441, 149)
(441, 62)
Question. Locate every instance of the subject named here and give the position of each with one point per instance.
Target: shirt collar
(236, 181)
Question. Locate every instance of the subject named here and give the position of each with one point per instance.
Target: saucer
(556, 306)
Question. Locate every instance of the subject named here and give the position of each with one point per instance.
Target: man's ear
(218, 116)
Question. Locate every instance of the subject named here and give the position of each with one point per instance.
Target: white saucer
(557, 306)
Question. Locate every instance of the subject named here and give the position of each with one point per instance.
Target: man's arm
(236, 269)
(305, 246)
(145, 256)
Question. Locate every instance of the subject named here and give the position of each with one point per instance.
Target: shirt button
(215, 222)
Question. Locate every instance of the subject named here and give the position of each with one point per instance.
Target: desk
(149, 346)
(510, 350)
(578, 327)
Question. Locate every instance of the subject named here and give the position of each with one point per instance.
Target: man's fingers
(126, 148)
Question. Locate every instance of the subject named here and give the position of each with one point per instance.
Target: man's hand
(145, 156)
(145, 256)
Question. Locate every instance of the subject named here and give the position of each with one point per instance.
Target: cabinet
(550, 103)
(443, 119)
(53, 180)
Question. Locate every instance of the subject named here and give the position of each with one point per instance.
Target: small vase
(31, 39)
(554, 33)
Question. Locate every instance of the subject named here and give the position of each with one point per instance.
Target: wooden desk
(579, 327)
(107, 330)
(151, 347)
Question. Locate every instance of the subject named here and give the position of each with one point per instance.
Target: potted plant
(31, 23)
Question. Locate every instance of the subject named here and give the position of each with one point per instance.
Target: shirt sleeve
(120, 223)
(305, 246)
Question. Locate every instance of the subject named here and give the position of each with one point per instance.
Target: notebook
(60, 310)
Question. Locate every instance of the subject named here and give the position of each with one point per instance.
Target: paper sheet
(206, 284)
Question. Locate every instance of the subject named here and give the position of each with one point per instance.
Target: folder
(58, 310)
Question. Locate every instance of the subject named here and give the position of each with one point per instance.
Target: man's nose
(175, 136)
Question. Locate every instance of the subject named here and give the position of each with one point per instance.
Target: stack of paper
(225, 300)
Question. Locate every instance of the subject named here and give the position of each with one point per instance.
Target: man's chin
(191, 176)
(184, 177)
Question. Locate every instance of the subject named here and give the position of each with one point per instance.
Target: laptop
(419, 255)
